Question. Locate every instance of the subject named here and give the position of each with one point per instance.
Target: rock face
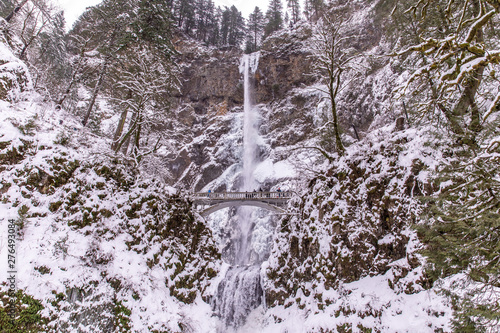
(14, 75)
(284, 65)
(210, 104)
(209, 77)
(293, 109)
(353, 222)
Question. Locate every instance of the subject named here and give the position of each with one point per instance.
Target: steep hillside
(100, 245)
(349, 253)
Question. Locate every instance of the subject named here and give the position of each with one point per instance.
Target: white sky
(73, 8)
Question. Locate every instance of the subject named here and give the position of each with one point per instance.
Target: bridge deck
(213, 198)
(215, 201)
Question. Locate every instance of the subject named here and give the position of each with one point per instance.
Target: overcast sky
(73, 8)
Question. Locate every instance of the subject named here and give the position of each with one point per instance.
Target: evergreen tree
(294, 10)
(184, 12)
(314, 9)
(255, 30)
(52, 60)
(214, 35)
(204, 16)
(153, 24)
(274, 17)
(232, 27)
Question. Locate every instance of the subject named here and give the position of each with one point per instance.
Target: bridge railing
(241, 195)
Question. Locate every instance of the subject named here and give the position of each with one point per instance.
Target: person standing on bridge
(209, 191)
(279, 192)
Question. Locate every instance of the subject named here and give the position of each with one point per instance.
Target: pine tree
(255, 28)
(232, 27)
(214, 36)
(153, 24)
(314, 9)
(294, 10)
(184, 12)
(52, 58)
(274, 17)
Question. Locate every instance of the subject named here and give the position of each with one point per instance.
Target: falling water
(240, 292)
(249, 65)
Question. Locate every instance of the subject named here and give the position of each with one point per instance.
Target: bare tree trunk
(96, 92)
(16, 10)
(333, 89)
(125, 141)
(355, 132)
(137, 138)
(121, 125)
(119, 129)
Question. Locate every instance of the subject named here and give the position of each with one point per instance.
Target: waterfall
(250, 134)
(248, 66)
(240, 291)
(238, 294)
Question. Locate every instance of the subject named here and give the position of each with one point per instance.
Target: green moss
(54, 206)
(43, 270)
(16, 154)
(30, 127)
(122, 317)
(344, 328)
(63, 138)
(363, 329)
(28, 318)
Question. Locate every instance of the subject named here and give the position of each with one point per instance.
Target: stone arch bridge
(212, 202)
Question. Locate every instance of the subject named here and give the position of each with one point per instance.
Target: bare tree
(334, 62)
(146, 84)
(35, 20)
(77, 69)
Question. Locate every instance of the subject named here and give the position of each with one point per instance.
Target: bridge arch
(226, 204)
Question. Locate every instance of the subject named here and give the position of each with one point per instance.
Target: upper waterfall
(251, 60)
(248, 65)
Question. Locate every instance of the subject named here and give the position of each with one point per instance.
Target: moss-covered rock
(20, 312)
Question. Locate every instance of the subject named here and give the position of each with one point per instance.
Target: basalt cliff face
(208, 121)
(293, 107)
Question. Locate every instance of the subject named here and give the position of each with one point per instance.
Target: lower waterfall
(238, 294)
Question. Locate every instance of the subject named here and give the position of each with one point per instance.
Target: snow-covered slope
(101, 247)
(349, 258)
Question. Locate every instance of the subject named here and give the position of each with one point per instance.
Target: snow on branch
(478, 25)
